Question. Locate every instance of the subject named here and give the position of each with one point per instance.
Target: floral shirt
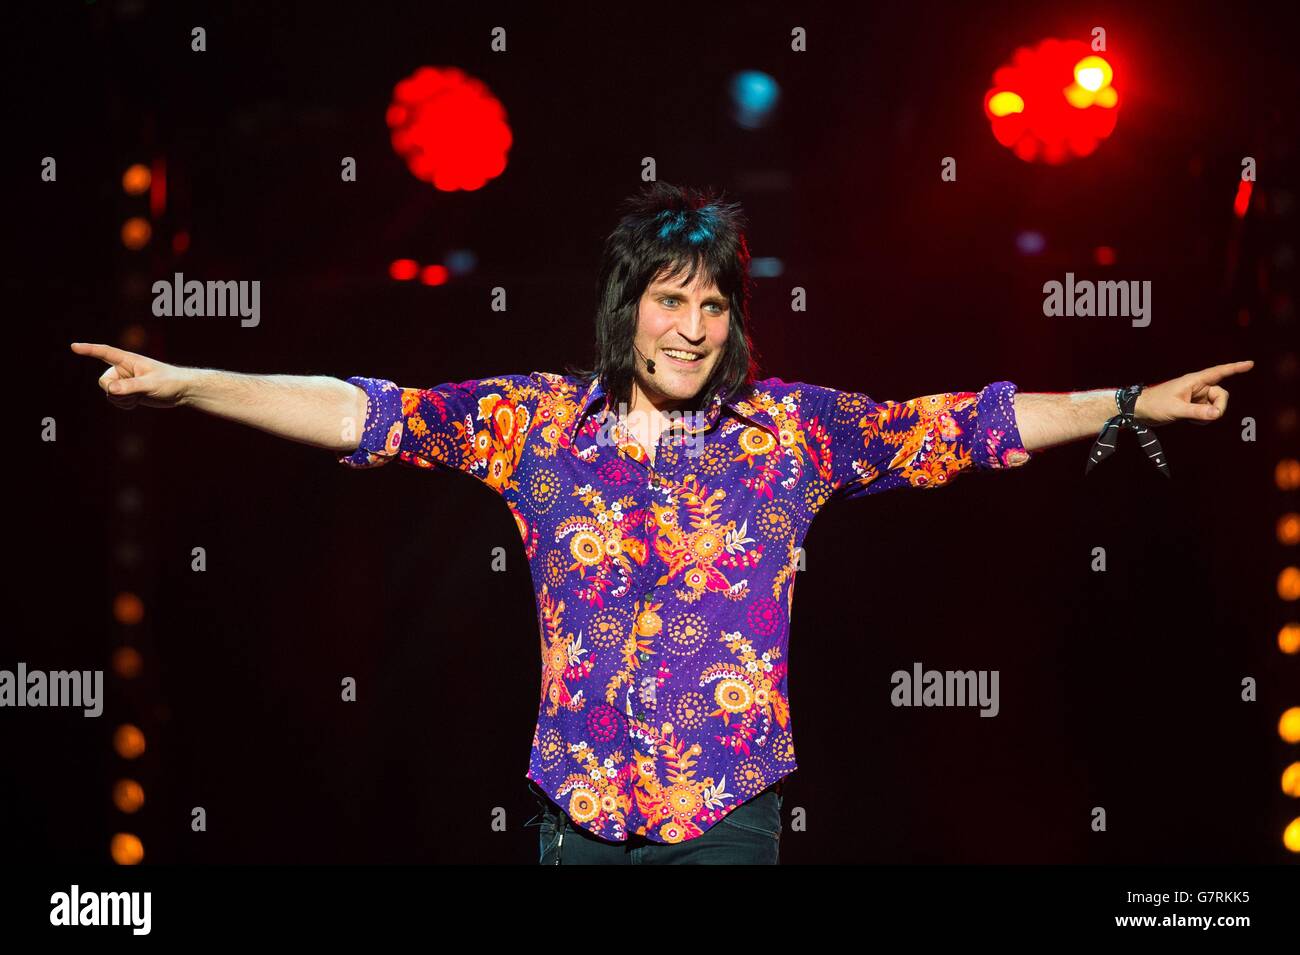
(664, 583)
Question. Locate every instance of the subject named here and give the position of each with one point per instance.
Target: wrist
(191, 385)
(1139, 411)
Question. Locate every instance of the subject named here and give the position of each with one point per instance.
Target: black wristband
(1108, 438)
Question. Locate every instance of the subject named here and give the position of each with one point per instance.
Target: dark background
(1119, 690)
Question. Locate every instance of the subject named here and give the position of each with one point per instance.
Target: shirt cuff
(996, 442)
(381, 438)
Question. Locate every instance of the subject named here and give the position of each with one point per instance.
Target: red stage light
(1054, 102)
(1242, 202)
(449, 128)
(434, 275)
(403, 269)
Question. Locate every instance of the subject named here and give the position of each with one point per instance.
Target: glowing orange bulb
(129, 741)
(1006, 103)
(128, 608)
(1291, 780)
(136, 179)
(136, 233)
(1288, 528)
(127, 849)
(1291, 837)
(1288, 583)
(1288, 638)
(1288, 727)
(1287, 474)
(128, 795)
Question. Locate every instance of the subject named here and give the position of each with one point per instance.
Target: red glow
(449, 128)
(403, 269)
(180, 242)
(1064, 114)
(434, 275)
(158, 188)
(1104, 255)
(1242, 202)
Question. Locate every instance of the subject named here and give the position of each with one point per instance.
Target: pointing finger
(1216, 373)
(114, 356)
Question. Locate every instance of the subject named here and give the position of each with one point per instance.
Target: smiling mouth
(680, 357)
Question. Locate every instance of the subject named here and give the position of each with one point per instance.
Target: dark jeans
(748, 835)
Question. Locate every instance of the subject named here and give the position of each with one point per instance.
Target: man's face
(683, 330)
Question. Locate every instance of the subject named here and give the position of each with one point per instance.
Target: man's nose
(691, 326)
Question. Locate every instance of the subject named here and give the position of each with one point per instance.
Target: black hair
(672, 230)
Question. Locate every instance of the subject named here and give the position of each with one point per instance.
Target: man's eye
(667, 300)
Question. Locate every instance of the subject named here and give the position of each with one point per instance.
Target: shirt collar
(595, 400)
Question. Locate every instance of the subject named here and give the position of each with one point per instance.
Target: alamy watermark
(208, 299)
(921, 687)
(689, 425)
(84, 688)
(75, 907)
(1085, 299)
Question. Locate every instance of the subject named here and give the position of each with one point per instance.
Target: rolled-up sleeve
(477, 427)
(381, 435)
(869, 446)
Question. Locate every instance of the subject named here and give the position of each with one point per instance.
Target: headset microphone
(649, 363)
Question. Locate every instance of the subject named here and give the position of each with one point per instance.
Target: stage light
(1241, 202)
(128, 741)
(128, 795)
(135, 181)
(1291, 836)
(1030, 242)
(1104, 255)
(180, 243)
(127, 849)
(128, 609)
(1288, 727)
(1052, 103)
(754, 95)
(1005, 103)
(461, 261)
(403, 270)
(127, 662)
(1291, 780)
(450, 128)
(136, 233)
(1288, 583)
(1092, 73)
(1288, 638)
(434, 275)
(1288, 529)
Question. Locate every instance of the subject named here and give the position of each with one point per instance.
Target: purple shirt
(664, 590)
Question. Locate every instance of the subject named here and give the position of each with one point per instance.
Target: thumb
(125, 386)
(1201, 412)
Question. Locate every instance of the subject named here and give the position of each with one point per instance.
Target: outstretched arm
(317, 410)
(1047, 419)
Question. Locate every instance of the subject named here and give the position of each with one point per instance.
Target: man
(662, 498)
